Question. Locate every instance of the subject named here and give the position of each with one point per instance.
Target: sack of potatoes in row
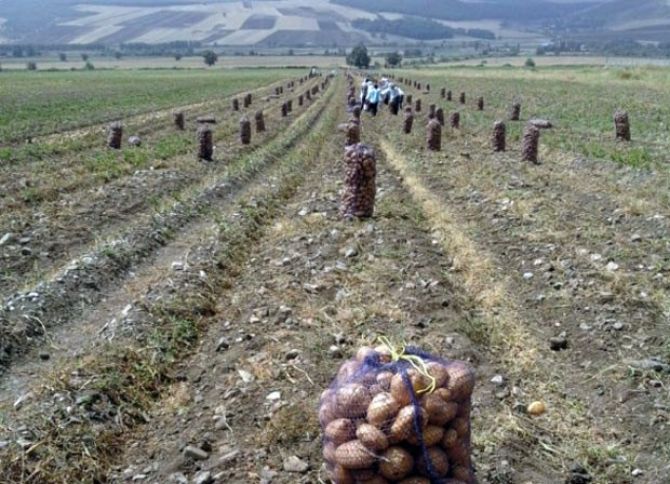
(389, 421)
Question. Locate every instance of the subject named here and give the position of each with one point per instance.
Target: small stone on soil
(498, 380)
(6, 238)
(335, 351)
(295, 464)
(195, 452)
(558, 343)
(203, 477)
(274, 396)
(222, 344)
(292, 354)
(637, 472)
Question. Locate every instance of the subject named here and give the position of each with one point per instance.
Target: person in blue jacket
(373, 99)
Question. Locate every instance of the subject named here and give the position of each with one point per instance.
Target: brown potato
(340, 431)
(340, 475)
(450, 439)
(384, 380)
(396, 463)
(353, 400)
(461, 426)
(402, 392)
(329, 452)
(384, 354)
(403, 426)
(433, 435)
(439, 372)
(459, 455)
(374, 480)
(347, 370)
(439, 411)
(382, 410)
(462, 473)
(372, 438)
(461, 380)
(354, 455)
(363, 352)
(439, 461)
(363, 474)
(327, 412)
(415, 480)
(444, 394)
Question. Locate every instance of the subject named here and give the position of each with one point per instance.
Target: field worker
(373, 99)
(364, 90)
(397, 97)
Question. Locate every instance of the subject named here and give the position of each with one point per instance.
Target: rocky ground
(201, 354)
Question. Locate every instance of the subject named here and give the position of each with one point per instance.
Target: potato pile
(380, 425)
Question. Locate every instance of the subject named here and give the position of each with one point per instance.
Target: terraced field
(172, 320)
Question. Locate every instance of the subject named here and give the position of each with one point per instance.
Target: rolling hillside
(287, 23)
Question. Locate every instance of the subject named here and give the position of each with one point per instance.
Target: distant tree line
(417, 28)
(615, 47)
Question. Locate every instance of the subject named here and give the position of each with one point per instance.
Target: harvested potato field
(339, 299)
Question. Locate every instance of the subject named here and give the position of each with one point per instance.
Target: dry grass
(565, 434)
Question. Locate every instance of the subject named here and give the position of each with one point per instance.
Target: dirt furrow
(564, 265)
(46, 236)
(81, 284)
(316, 288)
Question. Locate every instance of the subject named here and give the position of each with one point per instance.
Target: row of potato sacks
(398, 416)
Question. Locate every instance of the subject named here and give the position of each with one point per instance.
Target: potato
(396, 463)
(347, 370)
(364, 474)
(363, 352)
(372, 438)
(415, 480)
(340, 431)
(439, 372)
(439, 411)
(340, 475)
(353, 400)
(439, 461)
(401, 391)
(459, 454)
(384, 380)
(354, 455)
(329, 452)
(384, 354)
(433, 435)
(375, 390)
(450, 439)
(462, 473)
(461, 426)
(444, 394)
(374, 480)
(327, 412)
(461, 380)
(382, 410)
(403, 426)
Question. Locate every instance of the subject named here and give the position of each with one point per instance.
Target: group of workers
(373, 93)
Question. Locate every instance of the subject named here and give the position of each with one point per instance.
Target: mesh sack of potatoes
(398, 415)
